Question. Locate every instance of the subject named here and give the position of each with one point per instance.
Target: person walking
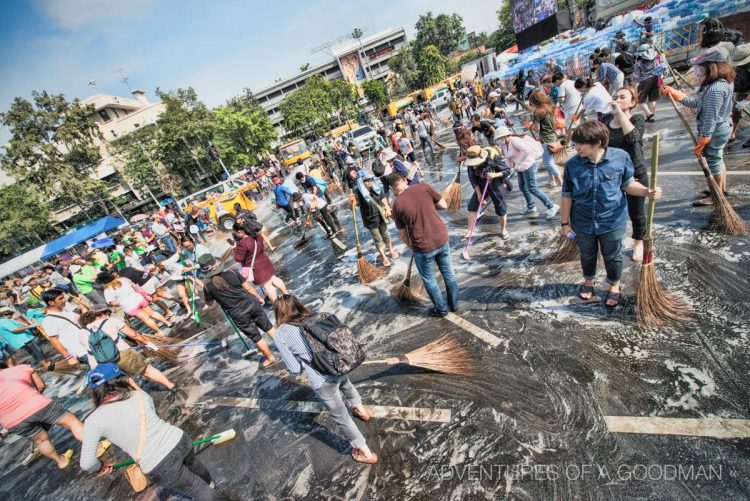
(240, 301)
(25, 412)
(544, 117)
(126, 415)
(486, 170)
(648, 71)
(521, 153)
(297, 356)
(594, 207)
(713, 103)
(129, 361)
(424, 128)
(626, 133)
(62, 328)
(283, 196)
(256, 266)
(422, 230)
(119, 291)
(18, 336)
(375, 213)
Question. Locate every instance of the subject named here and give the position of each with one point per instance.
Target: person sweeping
(714, 106)
(375, 212)
(126, 415)
(485, 167)
(239, 300)
(594, 204)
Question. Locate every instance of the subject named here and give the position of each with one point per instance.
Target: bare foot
(394, 254)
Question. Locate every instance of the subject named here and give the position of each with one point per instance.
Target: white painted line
(482, 334)
(716, 428)
(377, 411)
(699, 173)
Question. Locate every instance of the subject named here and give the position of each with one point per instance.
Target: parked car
(219, 199)
(440, 99)
(362, 137)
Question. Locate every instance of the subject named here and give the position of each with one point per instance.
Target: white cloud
(76, 14)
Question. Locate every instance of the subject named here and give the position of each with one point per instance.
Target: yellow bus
(342, 129)
(293, 152)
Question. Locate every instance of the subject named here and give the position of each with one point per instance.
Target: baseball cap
(103, 373)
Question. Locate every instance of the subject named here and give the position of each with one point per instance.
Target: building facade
(353, 61)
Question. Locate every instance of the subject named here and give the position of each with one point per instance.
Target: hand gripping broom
(220, 438)
(405, 292)
(452, 193)
(726, 219)
(655, 306)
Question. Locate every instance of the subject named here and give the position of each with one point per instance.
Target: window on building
(114, 134)
(114, 110)
(105, 116)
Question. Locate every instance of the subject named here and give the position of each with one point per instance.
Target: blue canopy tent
(80, 235)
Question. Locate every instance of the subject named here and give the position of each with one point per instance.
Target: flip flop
(66, 459)
(612, 296)
(102, 447)
(701, 203)
(585, 289)
(359, 457)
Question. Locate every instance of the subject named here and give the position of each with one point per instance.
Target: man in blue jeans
(594, 205)
(422, 230)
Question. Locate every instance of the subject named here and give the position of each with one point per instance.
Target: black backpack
(335, 352)
(378, 169)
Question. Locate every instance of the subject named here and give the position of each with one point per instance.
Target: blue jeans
(424, 262)
(330, 396)
(168, 241)
(610, 244)
(528, 187)
(424, 141)
(549, 161)
(714, 151)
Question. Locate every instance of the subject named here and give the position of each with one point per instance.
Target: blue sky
(218, 47)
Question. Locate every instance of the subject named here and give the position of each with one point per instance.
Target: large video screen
(529, 12)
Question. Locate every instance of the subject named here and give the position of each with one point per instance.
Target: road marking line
(482, 334)
(699, 173)
(717, 428)
(377, 411)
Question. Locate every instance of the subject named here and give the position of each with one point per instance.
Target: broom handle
(648, 256)
(568, 130)
(235, 329)
(356, 231)
(197, 442)
(701, 159)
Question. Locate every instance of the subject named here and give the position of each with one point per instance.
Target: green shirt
(84, 279)
(547, 132)
(118, 259)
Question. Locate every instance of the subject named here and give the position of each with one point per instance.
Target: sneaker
(552, 211)
(527, 212)
(434, 313)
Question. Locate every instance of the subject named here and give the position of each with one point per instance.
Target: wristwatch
(564, 224)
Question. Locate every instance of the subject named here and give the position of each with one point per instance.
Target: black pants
(637, 205)
(290, 211)
(326, 221)
(182, 471)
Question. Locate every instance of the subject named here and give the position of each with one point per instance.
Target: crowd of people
(93, 309)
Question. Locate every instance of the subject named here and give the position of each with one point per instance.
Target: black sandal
(612, 296)
(585, 289)
(650, 119)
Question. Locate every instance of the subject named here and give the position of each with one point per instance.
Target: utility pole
(214, 151)
(200, 167)
(357, 35)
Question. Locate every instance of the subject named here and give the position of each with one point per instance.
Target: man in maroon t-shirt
(420, 227)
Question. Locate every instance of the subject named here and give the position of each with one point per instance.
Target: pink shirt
(19, 398)
(521, 153)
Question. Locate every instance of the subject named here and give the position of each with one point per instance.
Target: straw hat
(741, 55)
(475, 155)
(387, 155)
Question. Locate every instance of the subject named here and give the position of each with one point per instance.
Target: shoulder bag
(137, 479)
(247, 271)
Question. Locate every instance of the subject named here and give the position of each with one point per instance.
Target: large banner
(351, 68)
(529, 12)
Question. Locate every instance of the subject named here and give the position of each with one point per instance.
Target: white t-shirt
(125, 296)
(309, 198)
(134, 261)
(111, 326)
(598, 99)
(65, 330)
(572, 97)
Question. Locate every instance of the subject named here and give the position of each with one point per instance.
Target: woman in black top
(626, 133)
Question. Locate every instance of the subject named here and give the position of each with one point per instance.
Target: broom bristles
(367, 272)
(560, 157)
(444, 355)
(452, 195)
(724, 216)
(565, 250)
(409, 294)
(656, 306)
(169, 354)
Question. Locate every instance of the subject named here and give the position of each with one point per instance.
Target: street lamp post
(357, 34)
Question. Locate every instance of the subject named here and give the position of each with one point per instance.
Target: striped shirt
(608, 72)
(713, 104)
(296, 354)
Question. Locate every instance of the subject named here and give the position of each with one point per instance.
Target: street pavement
(568, 402)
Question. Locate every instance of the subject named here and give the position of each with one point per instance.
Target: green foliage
(443, 31)
(344, 99)
(310, 109)
(244, 135)
(375, 92)
(404, 67)
(53, 148)
(21, 214)
(134, 154)
(505, 37)
(431, 65)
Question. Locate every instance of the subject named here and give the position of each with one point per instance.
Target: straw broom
(444, 355)
(365, 271)
(452, 193)
(656, 306)
(564, 251)
(169, 354)
(724, 215)
(405, 292)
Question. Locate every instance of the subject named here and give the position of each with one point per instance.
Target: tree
(404, 66)
(304, 67)
(186, 127)
(375, 92)
(243, 136)
(431, 66)
(53, 148)
(21, 214)
(307, 110)
(443, 31)
(344, 99)
(244, 101)
(505, 37)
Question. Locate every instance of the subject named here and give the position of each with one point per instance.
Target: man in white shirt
(62, 327)
(162, 233)
(568, 98)
(319, 208)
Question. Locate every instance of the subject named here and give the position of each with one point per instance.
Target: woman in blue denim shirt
(594, 205)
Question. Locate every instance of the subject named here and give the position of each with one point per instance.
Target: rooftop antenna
(328, 46)
(123, 78)
(92, 84)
